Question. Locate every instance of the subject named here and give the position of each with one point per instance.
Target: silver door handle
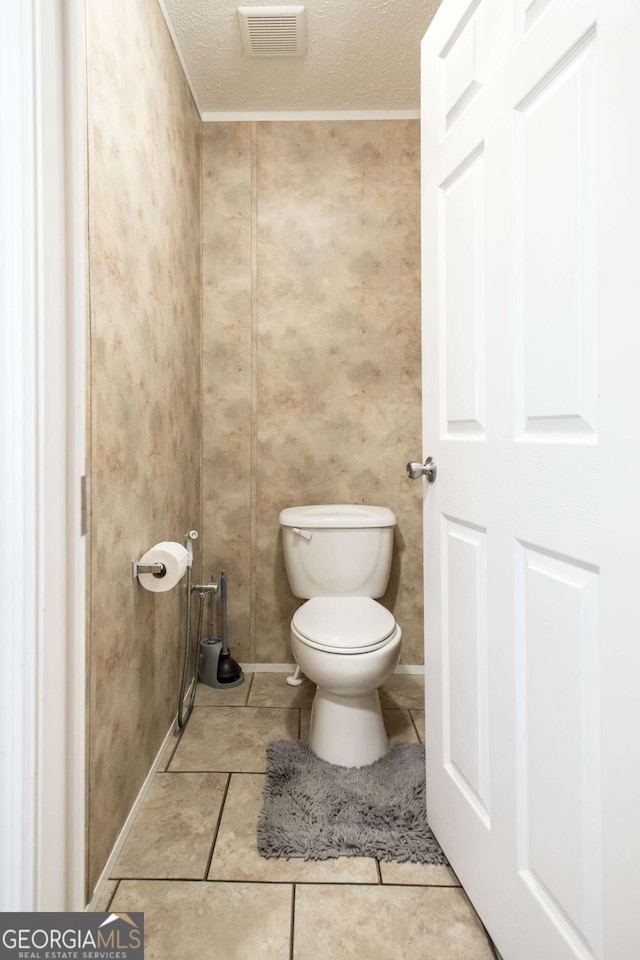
(428, 470)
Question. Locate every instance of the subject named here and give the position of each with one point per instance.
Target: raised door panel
(554, 224)
(465, 661)
(460, 60)
(461, 284)
(558, 723)
(528, 12)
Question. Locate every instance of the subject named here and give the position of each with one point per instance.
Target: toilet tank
(337, 550)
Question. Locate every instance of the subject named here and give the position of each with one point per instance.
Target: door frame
(43, 355)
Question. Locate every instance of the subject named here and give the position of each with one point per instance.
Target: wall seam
(201, 504)
(254, 391)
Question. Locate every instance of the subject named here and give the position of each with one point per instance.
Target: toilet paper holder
(157, 569)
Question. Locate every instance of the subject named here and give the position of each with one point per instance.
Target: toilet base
(347, 731)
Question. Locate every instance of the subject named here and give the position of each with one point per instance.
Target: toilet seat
(343, 625)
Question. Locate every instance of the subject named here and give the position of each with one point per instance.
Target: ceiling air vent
(272, 31)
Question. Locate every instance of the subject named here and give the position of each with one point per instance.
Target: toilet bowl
(348, 647)
(338, 558)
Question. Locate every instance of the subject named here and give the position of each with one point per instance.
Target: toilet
(338, 559)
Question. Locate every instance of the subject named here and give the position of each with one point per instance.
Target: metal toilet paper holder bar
(157, 569)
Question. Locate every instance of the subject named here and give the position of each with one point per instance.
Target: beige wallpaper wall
(311, 333)
(145, 412)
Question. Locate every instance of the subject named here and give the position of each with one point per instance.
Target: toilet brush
(228, 668)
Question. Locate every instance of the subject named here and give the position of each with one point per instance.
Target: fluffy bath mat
(316, 810)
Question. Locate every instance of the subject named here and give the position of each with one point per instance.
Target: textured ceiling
(361, 55)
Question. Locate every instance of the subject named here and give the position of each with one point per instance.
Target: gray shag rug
(316, 810)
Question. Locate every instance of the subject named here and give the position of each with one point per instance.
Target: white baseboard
(167, 745)
(402, 668)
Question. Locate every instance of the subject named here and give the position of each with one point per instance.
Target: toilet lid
(345, 624)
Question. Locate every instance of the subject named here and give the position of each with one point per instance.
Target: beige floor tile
(305, 720)
(397, 722)
(418, 719)
(386, 923)
(236, 856)
(225, 738)
(197, 920)
(102, 904)
(400, 728)
(173, 831)
(272, 690)
(234, 697)
(403, 690)
(420, 874)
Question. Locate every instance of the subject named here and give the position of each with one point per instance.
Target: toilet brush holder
(209, 662)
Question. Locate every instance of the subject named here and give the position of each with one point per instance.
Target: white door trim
(42, 404)
(77, 461)
(17, 480)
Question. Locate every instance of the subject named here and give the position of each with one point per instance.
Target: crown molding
(227, 116)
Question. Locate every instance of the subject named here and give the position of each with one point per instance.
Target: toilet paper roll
(174, 557)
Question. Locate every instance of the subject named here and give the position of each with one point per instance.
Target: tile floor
(192, 865)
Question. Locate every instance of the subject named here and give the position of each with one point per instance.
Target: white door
(531, 332)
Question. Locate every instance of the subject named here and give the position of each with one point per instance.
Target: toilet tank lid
(337, 515)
